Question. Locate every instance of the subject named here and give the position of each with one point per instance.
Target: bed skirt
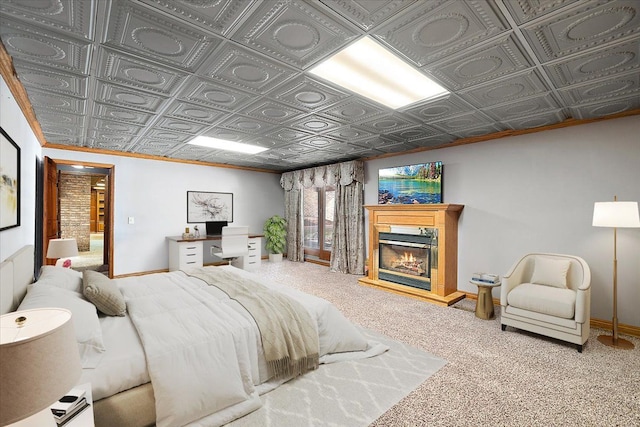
(134, 408)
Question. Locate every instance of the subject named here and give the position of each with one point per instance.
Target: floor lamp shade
(39, 361)
(62, 248)
(616, 214)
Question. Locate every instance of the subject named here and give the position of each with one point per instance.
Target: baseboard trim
(142, 273)
(634, 331)
(622, 328)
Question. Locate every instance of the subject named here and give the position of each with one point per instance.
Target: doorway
(318, 205)
(78, 203)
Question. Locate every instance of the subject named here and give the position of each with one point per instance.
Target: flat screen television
(413, 184)
(214, 228)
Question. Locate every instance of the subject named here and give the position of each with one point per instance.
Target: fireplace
(413, 251)
(407, 257)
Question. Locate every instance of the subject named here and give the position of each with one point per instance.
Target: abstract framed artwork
(203, 206)
(9, 182)
(413, 184)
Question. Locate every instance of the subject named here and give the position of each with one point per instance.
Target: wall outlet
(131, 220)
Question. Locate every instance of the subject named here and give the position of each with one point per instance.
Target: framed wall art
(203, 206)
(9, 182)
(414, 184)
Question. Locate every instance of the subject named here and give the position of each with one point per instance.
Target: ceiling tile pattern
(147, 76)
(429, 31)
(41, 45)
(293, 31)
(145, 32)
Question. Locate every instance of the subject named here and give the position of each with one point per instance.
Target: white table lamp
(615, 214)
(62, 248)
(39, 363)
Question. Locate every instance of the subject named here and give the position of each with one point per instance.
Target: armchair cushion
(544, 299)
(550, 272)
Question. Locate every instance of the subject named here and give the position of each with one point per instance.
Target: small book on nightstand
(69, 405)
(71, 414)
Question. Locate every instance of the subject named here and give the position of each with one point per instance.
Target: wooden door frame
(109, 199)
(320, 252)
(50, 226)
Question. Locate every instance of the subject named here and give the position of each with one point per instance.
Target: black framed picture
(9, 182)
(203, 206)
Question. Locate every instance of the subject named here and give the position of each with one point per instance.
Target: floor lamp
(615, 214)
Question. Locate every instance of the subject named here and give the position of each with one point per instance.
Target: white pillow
(83, 314)
(551, 272)
(60, 277)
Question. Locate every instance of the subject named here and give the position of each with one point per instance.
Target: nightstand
(484, 305)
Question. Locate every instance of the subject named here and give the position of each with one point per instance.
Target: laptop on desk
(214, 228)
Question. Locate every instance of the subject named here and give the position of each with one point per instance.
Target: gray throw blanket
(289, 336)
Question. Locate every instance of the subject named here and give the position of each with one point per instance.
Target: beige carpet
(509, 378)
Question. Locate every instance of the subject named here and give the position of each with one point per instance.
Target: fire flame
(408, 257)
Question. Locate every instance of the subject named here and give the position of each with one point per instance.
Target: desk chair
(234, 243)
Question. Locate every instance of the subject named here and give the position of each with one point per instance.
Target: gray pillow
(103, 293)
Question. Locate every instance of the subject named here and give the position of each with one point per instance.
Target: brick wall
(74, 191)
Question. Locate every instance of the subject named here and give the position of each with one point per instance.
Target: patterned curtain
(347, 255)
(293, 215)
(291, 182)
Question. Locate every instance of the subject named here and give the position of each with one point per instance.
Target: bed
(194, 347)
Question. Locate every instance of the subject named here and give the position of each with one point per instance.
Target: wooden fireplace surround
(444, 217)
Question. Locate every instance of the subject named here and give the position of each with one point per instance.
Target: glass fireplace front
(407, 259)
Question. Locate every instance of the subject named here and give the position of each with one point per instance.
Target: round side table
(484, 305)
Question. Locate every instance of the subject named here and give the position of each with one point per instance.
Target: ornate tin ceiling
(146, 76)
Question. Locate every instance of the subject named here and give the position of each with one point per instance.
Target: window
(318, 234)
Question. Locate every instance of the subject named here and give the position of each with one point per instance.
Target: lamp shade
(62, 248)
(39, 361)
(616, 214)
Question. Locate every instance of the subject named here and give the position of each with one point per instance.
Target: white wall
(15, 124)
(535, 193)
(155, 194)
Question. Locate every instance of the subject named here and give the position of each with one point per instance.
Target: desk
(185, 253)
(484, 305)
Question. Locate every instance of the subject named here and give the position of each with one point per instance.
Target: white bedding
(123, 365)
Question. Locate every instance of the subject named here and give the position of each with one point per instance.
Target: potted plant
(275, 233)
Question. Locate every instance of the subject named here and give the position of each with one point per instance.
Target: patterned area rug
(346, 394)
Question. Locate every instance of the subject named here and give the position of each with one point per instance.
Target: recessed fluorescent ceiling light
(371, 70)
(221, 144)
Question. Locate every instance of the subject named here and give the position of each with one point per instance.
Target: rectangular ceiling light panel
(221, 144)
(369, 69)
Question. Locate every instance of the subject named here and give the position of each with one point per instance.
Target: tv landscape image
(414, 184)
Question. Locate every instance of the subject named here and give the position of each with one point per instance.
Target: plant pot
(275, 257)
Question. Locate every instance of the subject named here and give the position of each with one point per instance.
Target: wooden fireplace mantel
(443, 217)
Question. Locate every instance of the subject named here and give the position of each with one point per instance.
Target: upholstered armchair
(548, 294)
